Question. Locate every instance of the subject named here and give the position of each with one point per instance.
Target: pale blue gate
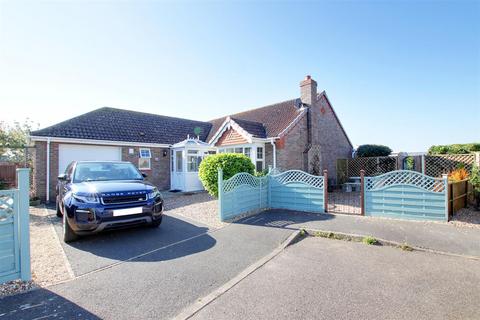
(407, 195)
(14, 230)
(297, 190)
(293, 190)
(241, 193)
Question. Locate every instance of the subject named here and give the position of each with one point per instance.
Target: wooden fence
(8, 173)
(459, 195)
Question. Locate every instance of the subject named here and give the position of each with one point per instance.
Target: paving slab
(430, 235)
(321, 278)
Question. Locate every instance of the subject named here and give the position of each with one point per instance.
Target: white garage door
(73, 152)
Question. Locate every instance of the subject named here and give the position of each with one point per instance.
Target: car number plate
(128, 211)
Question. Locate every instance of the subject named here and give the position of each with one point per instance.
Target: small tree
(373, 150)
(230, 163)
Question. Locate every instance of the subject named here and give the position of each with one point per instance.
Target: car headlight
(86, 197)
(154, 193)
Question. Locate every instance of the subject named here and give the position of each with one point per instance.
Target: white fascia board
(99, 142)
(227, 124)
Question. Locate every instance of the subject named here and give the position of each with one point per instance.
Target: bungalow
(302, 133)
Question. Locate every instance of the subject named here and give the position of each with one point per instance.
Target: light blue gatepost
(220, 193)
(23, 178)
(15, 231)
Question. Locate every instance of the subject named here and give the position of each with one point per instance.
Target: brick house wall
(329, 141)
(159, 174)
(290, 151)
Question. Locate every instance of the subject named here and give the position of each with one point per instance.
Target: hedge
(454, 148)
(373, 150)
(231, 164)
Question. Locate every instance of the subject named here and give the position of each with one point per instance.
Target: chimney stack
(308, 90)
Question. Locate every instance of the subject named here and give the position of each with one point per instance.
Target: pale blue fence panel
(297, 190)
(407, 195)
(14, 231)
(242, 193)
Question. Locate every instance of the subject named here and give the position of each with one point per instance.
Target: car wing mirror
(63, 177)
(144, 175)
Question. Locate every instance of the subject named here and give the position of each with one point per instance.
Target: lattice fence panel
(436, 165)
(299, 176)
(244, 179)
(7, 202)
(373, 166)
(404, 177)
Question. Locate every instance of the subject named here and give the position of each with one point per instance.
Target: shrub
(454, 148)
(231, 164)
(458, 175)
(373, 150)
(475, 181)
(369, 240)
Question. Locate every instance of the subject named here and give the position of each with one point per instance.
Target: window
(179, 159)
(259, 152)
(145, 153)
(247, 151)
(172, 161)
(259, 163)
(144, 160)
(193, 160)
(105, 171)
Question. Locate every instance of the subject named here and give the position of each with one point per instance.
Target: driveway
(320, 278)
(147, 273)
(156, 273)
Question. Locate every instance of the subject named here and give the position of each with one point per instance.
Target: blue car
(93, 196)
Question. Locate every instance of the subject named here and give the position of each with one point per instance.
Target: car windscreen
(104, 171)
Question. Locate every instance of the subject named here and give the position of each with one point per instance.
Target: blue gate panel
(407, 195)
(296, 196)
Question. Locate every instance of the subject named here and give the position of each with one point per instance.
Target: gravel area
(467, 217)
(198, 206)
(48, 261)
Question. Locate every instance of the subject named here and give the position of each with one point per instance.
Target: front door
(178, 173)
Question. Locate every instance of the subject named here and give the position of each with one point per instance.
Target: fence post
(325, 190)
(477, 158)
(447, 200)
(362, 192)
(23, 181)
(423, 164)
(220, 193)
(269, 191)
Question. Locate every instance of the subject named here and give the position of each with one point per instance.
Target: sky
(400, 73)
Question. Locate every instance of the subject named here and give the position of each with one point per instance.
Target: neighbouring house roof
(130, 126)
(268, 121)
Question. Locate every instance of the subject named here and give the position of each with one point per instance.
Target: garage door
(73, 152)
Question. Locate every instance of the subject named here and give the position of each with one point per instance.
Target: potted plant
(475, 182)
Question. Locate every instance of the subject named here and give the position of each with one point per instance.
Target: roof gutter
(100, 142)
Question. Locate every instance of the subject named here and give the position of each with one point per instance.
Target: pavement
(321, 278)
(156, 273)
(436, 236)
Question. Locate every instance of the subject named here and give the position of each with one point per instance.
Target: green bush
(475, 181)
(454, 148)
(231, 164)
(373, 150)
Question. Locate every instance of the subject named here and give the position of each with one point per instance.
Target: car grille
(124, 199)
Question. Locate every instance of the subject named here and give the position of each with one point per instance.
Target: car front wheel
(68, 234)
(156, 223)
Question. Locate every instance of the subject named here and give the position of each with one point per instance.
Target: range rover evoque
(93, 196)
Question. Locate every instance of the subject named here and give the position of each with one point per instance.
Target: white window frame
(142, 158)
(194, 154)
(253, 152)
